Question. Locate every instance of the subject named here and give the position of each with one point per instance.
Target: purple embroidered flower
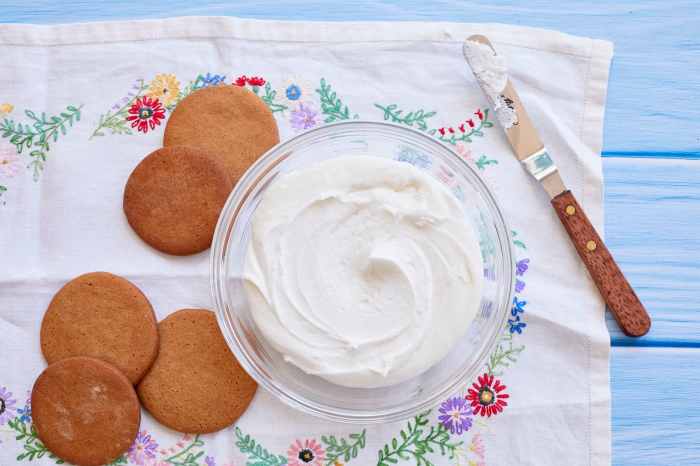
(304, 117)
(7, 406)
(455, 415)
(519, 285)
(209, 461)
(143, 449)
(521, 267)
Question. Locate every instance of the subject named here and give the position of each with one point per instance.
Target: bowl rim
(219, 252)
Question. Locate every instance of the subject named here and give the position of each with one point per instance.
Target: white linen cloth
(66, 219)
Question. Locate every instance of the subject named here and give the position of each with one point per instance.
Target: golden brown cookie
(196, 384)
(85, 411)
(104, 316)
(231, 121)
(173, 198)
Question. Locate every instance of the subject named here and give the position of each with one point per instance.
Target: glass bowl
(313, 394)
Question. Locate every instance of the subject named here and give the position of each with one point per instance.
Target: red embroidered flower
(451, 130)
(487, 397)
(461, 127)
(442, 131)
(480, 114)
(256, 81)
(241, 80)
(470, 122)
(145, 113)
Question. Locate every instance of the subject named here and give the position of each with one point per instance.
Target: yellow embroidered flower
(165, 88)
(6, 108)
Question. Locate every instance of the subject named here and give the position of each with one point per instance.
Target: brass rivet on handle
(570, 210)
(591, 245)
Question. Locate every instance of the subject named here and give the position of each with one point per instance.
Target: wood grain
(652, 227)
(655, 414)
(621, 299)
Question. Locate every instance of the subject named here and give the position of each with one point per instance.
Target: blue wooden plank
(654, 90)
(652, 213)
(655, 416)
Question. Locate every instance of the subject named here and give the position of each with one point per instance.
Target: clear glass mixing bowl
(313, 394)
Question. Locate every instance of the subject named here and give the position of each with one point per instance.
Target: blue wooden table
(652, 174)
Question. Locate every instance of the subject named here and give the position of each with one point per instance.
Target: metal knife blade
(491, 73)
(505, 101)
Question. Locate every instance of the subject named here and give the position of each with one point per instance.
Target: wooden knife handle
(621, 299)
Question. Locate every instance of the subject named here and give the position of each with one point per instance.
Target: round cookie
(103, 316)
(173, 198)
(196, 384)
(231, 121)
(85, 411)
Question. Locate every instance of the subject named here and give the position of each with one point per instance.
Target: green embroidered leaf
(416, 443)
(331, 106)
(269, 98)
(416, 118)
(186, 457)
(484, 161)
(341, 448)
(32, 446)
(504, 355)
(257, 455)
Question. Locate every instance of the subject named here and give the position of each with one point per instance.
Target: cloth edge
(288, 31)
(599, 350)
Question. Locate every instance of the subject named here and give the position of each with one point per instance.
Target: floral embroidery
(308, 453)
(256, 453)
(7, 405)
(115, 119)
(487, 397)
(414, 157)
(33, 138)
(303, 117)
(484, 162)
(296, 90)
(269, 95)
(467, 129)
(145, 113)
(416, 441)
(342, 448)
(24, 431)
(455, 415)
(9, 162)
(164, 88)
(521, 267)
(416, 118)
(210, 80)
(143, 449)
(332, 107)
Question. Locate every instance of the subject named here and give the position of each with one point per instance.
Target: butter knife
(491, 73)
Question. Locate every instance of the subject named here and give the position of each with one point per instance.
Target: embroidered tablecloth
(80, 105)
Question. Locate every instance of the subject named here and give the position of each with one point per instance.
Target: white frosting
(491, 72)
(362, 270)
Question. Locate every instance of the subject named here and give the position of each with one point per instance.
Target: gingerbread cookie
(85, 411)
(103, 316)
(173, 198)
(196, 384)
(231, 121)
